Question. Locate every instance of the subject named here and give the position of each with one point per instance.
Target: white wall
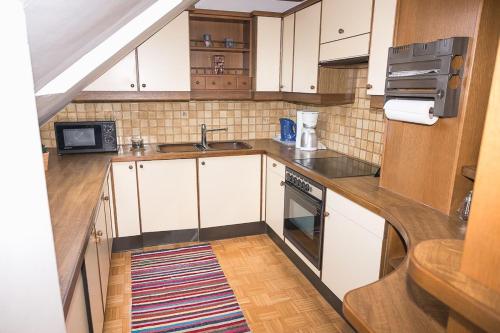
(30, 299)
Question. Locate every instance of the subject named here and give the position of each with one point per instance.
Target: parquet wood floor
(273, 293)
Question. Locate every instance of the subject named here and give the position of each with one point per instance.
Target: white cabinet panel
(168, 195)
(345, 18)
(94, 285)
(163, 59)
(306, 49)
(76, 319)
(268, 54)
(351, 251)
(229, 190)
(275, 196)
(121, 77)
(126, 201)
(287, 53)
(302, 257)
(102, 250)
(384, 15)
(345, 48)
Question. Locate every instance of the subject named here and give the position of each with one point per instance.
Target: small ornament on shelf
(207, 38)
(218, 62)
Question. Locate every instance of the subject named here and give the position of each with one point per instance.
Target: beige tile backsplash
(353, 129)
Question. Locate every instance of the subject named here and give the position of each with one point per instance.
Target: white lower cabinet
(76, 319)
(126, 200)
(352, 245)
(229, 190)
(275, 196)
(94, 284)
(168, 195)
(103, 252)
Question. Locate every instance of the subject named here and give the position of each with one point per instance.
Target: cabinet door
(345, 18)
(102, 250)
(306, 49)
(126, 201)
(108, 213)
(384, 15)
(164, 58)
(168, 195)
(287, 53)
(76, 319)
(275, 196)
(121, 77)
(352, 246)
(268, 54)
(229, 190)
(94, 284)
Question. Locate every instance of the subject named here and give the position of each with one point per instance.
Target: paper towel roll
(413, 111)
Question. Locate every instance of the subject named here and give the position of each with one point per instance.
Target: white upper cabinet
(163, 59)
(384, 15)
(306, 49)
(168, 195)
(287, 53)
(268, 54)
(345, 29)
(121, 77)
(229, 190)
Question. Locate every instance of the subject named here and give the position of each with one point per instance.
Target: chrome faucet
(204, 131)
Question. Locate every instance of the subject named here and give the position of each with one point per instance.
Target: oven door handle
(305, 196)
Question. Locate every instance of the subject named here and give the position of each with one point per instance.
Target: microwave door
(80, 138)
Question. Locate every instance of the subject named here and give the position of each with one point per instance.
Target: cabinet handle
(275, 165)
(202, 163)
(130, 167)
(99, 233)
(229, 83)
(105, 198)
(368, 86)
(326, 214)
(341, 31)
(244, 83)
(132, 85)
(312, 87)
(282, 183)
(143, 85)
(213, 83)
(197, 82)
(141, 166)
(282, 86)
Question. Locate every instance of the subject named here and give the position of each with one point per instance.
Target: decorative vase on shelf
(207, 38)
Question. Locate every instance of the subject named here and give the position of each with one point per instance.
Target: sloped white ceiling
(248, 5)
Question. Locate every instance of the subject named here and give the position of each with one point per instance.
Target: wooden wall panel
(423, 162)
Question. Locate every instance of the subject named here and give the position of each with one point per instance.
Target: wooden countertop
(392, 304)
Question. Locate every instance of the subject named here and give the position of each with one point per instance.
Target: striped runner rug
(183, 290)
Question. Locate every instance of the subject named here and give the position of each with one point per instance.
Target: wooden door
(268, 54)
(102, 250)
(352, 245)
(275, 196)
(163, 59)
(384, 15)
(121, 77)
(287, 52)
(229, 190)
(306, 49)
(345, 18)
(126, 201)
(94, 284)
(168, 195)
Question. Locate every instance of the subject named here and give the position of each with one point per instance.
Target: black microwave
(85, 137)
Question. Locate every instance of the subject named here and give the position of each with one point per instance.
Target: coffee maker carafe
(306, 130)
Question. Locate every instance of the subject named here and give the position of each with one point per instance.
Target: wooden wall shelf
(319, 99)
(218, 49)
(435, 266)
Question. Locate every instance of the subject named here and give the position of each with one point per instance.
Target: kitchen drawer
(229, 82)
(357, 214)
(243, 82)
(214, 83)
(275, 167)
(197, 82)
(345, 48)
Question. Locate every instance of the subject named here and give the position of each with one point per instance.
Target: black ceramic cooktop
(338, 167)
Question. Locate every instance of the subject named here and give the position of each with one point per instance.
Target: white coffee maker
(306, 138)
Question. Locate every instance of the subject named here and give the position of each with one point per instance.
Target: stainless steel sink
(228, 145)
(178, 148)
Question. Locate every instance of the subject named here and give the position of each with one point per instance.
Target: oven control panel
(304, 184)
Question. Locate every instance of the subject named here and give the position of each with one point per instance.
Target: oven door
(303, 223)
(78, 138)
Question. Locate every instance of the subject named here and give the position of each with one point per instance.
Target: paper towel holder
(428, 71)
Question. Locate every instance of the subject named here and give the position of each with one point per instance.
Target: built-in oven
(304, 215)
(85, 137)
